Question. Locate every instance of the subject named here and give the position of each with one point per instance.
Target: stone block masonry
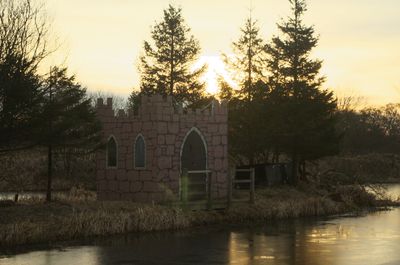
(164, 129)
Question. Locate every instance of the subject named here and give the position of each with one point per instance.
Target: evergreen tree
(20, 99)
(134, 101)
(304, 112)
(247, 63)
(166, 66)
(68, 119)
(226, 92)
(246, 132)
(23, 46)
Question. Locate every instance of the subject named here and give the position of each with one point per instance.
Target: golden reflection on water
(68, 256)
(257, 248)
(372, 239)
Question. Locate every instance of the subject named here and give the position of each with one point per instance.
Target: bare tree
(21, 171)
(24, 30)
(24, 33)
(119, 102)
(350, 102)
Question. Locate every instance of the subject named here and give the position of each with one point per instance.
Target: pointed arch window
(112, 152)
(194, 151)
(140, 152)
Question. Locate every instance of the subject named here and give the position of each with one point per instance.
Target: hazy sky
(359, 39)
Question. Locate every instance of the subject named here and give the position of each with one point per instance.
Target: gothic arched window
(140, 152)
(112, 152)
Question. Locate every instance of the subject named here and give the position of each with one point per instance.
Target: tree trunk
(303, 170)
(266, 156)
(49, 171)
(295, 162)
(172, 70)
(295, 176)
(50, 147)
(275, 156)
(251, 160)
(249, 81)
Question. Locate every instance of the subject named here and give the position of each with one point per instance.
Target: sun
(215, 68)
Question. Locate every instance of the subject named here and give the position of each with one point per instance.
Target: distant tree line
(370, 130)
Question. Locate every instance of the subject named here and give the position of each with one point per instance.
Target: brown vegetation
(38, 222)
(26, 170)
(361, 169)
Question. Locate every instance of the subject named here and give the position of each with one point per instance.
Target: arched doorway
(194, 158)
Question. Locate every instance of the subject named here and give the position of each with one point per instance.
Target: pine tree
(68, 118)
(304, 112)
(23, 46)
(246, 135)
(248, 59)
(134, 101)
(20, 98)
(166, 66)
(226, 92)
(290, 63)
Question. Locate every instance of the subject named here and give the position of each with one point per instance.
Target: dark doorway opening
(194, 161)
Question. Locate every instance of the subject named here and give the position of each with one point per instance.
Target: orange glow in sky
(101, 40)
(215, 69)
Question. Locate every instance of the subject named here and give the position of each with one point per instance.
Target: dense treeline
(370, 130)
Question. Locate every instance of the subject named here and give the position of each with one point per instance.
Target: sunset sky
(101, 40)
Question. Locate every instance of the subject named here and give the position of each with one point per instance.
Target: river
(370, 239)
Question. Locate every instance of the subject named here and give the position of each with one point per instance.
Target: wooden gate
(235, 182)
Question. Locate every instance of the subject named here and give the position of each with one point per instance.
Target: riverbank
(39, 222)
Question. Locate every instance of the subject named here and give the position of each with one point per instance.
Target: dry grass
(38, 222)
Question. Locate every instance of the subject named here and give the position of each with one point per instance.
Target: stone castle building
(147, 152)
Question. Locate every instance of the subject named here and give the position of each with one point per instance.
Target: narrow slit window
(140, 152)
(112, 152)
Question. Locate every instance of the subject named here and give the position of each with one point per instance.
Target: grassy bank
(38, 222)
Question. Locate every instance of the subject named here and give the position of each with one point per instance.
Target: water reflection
(199, 247)
(68, 256)
(372, 239)
(249, 248)
(32, 195)
(23, 195)
(393, 191)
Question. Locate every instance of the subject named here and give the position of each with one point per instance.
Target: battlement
(158, 107)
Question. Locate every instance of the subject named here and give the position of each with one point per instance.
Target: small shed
(270, 174)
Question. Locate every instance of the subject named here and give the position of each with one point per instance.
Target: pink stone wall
(164, 129)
